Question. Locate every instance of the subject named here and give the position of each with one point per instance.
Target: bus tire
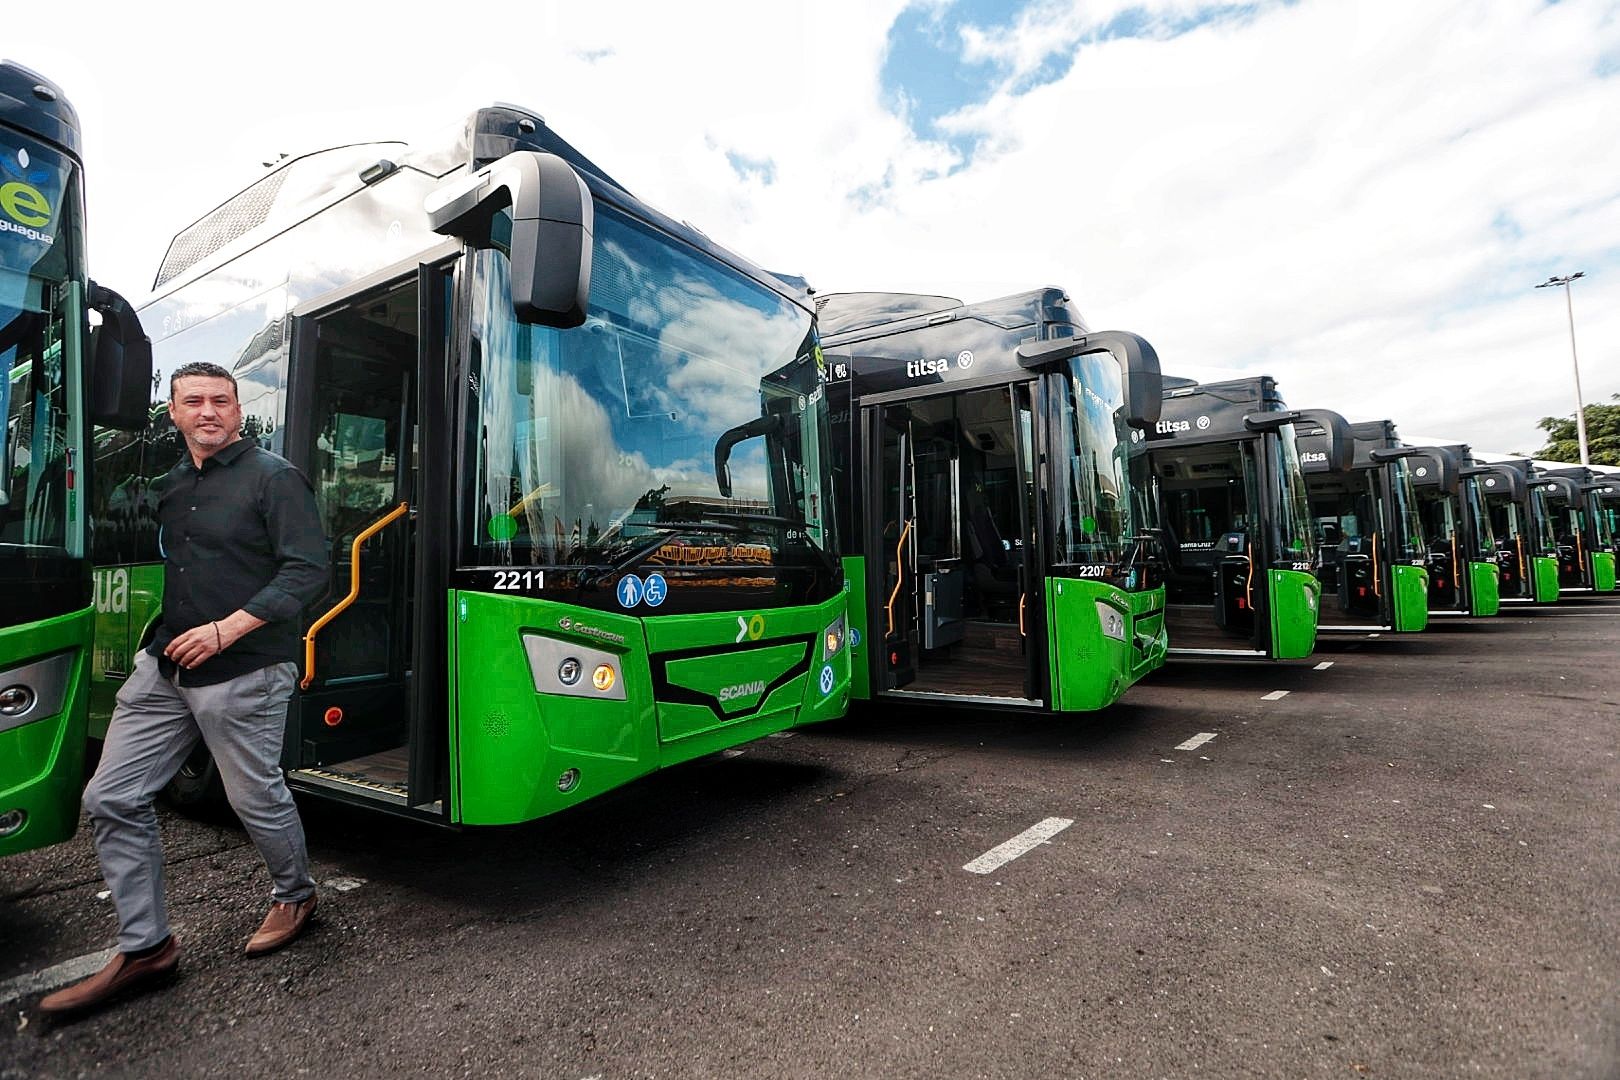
(196, 789)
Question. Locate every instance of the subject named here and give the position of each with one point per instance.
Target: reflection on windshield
(39, 320)
(1408, 528)
(1294, 525)
(593, 443)
(1090, 512)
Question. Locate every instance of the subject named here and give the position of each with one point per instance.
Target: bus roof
(1194, 412)
(32, 103)
(894, 341)
(297, 188)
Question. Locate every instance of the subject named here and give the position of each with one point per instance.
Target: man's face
(206, 411)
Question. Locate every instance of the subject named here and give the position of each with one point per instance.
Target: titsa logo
(24, 206)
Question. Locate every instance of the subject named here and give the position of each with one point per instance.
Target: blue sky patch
(749, 168)
(925, 76)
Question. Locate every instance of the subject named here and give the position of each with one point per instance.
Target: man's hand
(202, 643)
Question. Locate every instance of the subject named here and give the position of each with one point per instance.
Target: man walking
(243, 554)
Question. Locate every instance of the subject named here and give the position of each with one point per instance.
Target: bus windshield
(1474, 508)
(1090, 512)
(40, 315)
(601, 444)
(1296, 532)
(1406, 538)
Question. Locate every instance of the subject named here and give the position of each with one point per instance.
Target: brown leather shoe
(285, 922)
(122, 973)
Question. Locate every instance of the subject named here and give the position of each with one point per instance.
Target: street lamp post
(1580, 411)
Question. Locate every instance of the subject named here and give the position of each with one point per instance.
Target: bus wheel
(196, 790)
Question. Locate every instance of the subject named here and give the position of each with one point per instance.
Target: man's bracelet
(219, 646)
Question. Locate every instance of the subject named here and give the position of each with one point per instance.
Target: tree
(1602, 435)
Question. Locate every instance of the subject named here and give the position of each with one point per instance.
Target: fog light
(16, 700)
(832, 642)
(568, 781)
(1113, 623)
(569, 671)
(604, 677)
(12, 821)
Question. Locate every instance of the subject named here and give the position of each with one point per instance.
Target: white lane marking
(1580, 615)
(1275, 695)
(1323, 666)
(1025, 842)
(1375, 635)
(52, 977)
(1197, 740)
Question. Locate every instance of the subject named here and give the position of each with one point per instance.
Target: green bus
(1463, 559)
(998, 550)
(1583, 531)
(572, 458)
(1373, 558)
(60, 376)
(1527, 555)
(1224, 471)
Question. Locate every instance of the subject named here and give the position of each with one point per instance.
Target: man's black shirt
(241, 532)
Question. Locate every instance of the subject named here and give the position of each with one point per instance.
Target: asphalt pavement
(1406, 866)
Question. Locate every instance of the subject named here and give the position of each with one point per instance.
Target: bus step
(334, 779)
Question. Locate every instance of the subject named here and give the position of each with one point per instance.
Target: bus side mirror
(120, 364)
(1332, 446)
(1138, 363)
(552, 224)
(753, 429)
(1447, 465)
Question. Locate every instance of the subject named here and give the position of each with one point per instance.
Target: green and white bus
(572, 458)
(1225, 473)
(1463, 559)
(1526, 552)
(50, 394)
(1372, 553)
(1584, 533)
(999, 552)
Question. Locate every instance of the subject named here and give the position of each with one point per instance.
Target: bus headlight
(832, 639)
(1111, 621)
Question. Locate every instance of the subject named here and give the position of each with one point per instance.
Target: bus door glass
(357, 363)
(894, 519)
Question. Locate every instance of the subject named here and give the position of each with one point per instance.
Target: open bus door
(951, 518)
(367, 723)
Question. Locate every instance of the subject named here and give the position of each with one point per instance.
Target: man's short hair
(200, 367)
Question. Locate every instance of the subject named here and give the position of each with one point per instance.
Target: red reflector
(894, 659)
(1242, 603)
(1361, 590)
(333, 717)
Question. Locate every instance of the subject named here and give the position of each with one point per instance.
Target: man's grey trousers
(153, 730)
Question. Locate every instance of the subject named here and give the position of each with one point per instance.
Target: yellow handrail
(899, 572)
(354, 589)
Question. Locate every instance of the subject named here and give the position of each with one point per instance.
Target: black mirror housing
(120, 364)
(553, 222)
(1138, 362)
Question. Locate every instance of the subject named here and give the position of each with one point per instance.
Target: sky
(1354, 198)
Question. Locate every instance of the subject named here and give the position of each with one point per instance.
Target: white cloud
(1354, 198)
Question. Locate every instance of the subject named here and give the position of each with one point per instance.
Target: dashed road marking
(57, 975)
(1323, 666)
(1197, 740)
(1275, 695)
(1025, 842)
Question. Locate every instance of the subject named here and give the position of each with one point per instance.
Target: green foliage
(1602, 435)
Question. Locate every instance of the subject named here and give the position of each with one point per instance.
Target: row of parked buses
(603, 496)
